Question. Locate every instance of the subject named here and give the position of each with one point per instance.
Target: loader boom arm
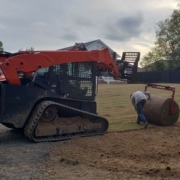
(30, 61)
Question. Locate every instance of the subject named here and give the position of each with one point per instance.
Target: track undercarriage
(48, 123)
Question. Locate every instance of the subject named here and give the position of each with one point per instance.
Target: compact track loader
(51, 94)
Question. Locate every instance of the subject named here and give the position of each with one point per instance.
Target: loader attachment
(129, 65)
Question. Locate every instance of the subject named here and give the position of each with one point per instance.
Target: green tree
(1, 46)
(167, 43)
(159, 66)
(30, 49)
(149, 61)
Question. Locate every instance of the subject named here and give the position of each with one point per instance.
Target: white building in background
(95, 45)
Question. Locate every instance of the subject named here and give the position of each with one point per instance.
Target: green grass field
(113, 102)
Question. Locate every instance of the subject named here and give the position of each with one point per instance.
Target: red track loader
(51, 94)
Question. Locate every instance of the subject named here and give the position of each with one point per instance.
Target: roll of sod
(157, 111)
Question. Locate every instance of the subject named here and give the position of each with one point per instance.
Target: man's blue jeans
(139, 109)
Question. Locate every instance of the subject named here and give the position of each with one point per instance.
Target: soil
(152, 153)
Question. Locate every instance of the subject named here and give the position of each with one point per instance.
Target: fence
(171, 76)
(110, 80)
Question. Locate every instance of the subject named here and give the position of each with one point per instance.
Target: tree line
(2, 49)
(165, 54)
(1, 46)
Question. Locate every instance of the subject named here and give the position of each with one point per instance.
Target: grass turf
(113, 102)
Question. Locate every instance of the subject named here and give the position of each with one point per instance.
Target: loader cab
(70, 80)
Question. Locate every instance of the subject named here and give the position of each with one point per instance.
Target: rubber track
(37, 113)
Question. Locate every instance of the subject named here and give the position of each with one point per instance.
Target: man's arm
(148, 94)
(133, 103)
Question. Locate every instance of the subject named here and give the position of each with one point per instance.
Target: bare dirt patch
(151, 154)
(141, 154)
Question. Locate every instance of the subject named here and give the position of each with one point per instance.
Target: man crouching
(138, 100)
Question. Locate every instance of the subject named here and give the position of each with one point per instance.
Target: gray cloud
(144, 44)
(131, 24)
(45, 24)
(81, 21)
(70, 37)
(125, 28)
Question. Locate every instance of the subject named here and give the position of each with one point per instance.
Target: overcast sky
(124, 25)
